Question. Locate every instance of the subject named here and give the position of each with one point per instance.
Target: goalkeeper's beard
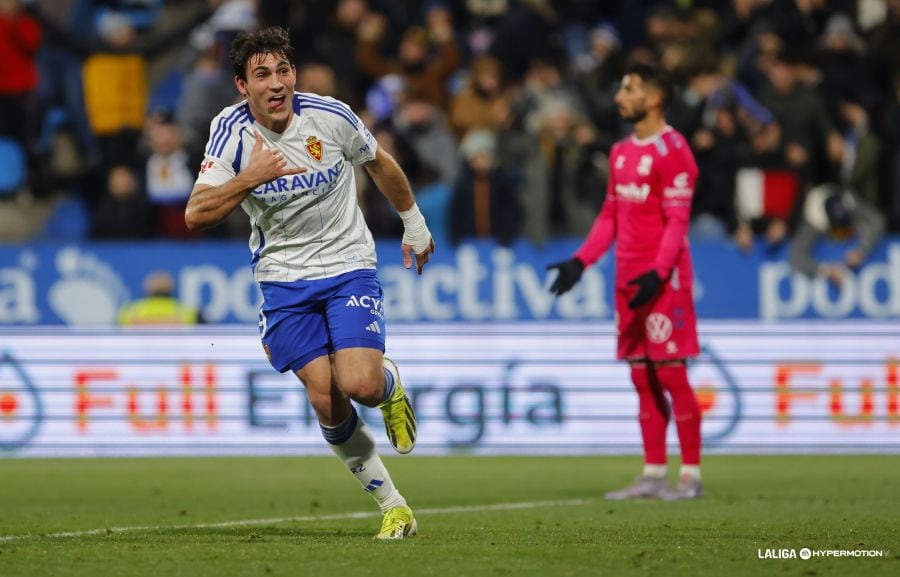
(636, 115)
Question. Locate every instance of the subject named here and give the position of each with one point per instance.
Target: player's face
(632, 98)
(269, 87)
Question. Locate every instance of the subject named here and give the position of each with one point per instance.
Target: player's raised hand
(267, 164)
(569, 274)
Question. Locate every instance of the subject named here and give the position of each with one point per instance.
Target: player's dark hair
(246, 45)
(655, 76)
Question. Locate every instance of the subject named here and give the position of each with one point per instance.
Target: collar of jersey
(652, 137)
(275, 136)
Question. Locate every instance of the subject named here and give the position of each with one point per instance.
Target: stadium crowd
(500, 111)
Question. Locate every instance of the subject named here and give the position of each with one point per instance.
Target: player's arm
(603, 231)
(595, 245)
(677, 177)
(393, 184)
(209, 205)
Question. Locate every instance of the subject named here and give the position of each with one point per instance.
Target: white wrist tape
(415, 231)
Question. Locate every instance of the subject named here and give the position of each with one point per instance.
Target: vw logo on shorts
(659, 327)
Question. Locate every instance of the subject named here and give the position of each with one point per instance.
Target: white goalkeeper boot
(644, 487)
(688, 487)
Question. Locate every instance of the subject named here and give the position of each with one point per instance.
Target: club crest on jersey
(314, 147)
(645, 164)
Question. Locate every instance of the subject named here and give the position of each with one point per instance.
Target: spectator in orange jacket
(425, 76)
(475, 106)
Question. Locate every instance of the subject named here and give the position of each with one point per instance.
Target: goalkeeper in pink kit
(647, 212)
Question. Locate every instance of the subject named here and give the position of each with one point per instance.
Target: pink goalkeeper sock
(686, 410)
(653, 416)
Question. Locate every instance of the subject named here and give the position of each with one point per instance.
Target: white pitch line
(302, 519)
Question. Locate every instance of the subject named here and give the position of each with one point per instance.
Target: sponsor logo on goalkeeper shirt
(680, 187)
(633, 191)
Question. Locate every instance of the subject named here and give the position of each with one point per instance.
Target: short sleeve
(355, 141)
(225, 148)
(361, 145)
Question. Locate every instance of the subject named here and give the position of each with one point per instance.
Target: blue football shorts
(302, 320)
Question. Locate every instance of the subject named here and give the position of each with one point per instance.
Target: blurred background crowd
(500, 111)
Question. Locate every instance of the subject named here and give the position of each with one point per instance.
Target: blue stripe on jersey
(236, 165)
(214, 135)
(239, 119)
(345, 117)
(262, 242)
(320, 100)
(333, 107)
(220, 131)
(661, 146)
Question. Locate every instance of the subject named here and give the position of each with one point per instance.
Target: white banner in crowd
(515, 388)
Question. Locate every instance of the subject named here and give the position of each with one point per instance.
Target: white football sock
(655, 470)
(355, 446)
(692, 471)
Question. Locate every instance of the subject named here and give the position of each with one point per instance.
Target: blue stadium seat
(69, 221)
(142, 14)
(12, 166)
(167, 93)
(55, 118)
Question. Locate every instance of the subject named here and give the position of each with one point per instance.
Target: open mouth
(276, 102)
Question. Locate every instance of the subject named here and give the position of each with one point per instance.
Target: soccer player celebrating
(285, 158)
(646, 211)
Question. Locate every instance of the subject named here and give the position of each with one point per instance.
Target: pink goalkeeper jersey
(648, 205)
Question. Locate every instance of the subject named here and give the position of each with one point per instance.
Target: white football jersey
(305, 226)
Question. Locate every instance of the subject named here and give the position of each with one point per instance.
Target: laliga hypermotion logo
(21, 411)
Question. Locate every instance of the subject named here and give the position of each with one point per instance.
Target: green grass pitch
(492, 516)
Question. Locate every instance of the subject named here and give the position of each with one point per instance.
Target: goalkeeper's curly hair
(246, 45)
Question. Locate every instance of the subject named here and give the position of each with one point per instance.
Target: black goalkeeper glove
(569, 273)
(648, 284)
